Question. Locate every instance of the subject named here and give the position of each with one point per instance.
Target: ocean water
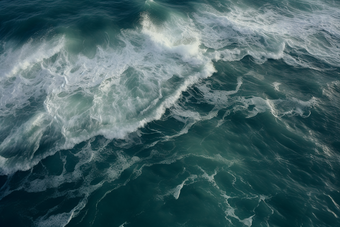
(169, 113)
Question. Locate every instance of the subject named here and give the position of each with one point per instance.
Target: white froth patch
(125, 223)
(332, 92)
(255, 75)
(248, 221)
(54, 220)
(123, 162)
(276, 86)
(176, 35)
(218, 97)
(175, 192)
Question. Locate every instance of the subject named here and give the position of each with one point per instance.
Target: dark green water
(169, 113)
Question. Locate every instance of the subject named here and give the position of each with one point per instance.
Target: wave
(113, 93)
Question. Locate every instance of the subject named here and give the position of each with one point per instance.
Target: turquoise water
(170, 113)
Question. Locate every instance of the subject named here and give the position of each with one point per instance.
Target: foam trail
(177, 191)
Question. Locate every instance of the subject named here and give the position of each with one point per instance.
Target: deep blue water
(170, 113)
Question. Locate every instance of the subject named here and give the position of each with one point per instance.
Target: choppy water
(170, 113)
